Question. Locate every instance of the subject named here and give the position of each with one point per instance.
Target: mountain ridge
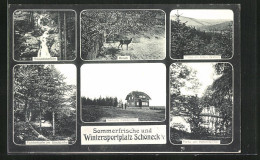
(203, 24)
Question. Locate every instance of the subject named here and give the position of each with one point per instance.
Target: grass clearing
(101, 113)
(146, 45)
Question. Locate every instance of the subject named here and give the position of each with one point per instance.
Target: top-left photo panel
(44, 35)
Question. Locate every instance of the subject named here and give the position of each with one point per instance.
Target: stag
(122, 42)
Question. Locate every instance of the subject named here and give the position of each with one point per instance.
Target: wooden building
(137, 99)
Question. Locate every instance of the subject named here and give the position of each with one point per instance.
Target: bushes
(157, 107)
(65, 124)
(91, 113)
(187, 40)
(199, 132)
(27, 33)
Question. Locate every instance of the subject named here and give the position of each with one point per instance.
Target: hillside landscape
(204, 24)
(191, 36)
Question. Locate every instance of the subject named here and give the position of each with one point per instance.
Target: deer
(122, 42)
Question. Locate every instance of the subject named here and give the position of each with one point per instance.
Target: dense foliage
(108, 101)
(27, 32)
(187, 105)
(40, 93)
(219, 95)
(186, 40)
(99, 26)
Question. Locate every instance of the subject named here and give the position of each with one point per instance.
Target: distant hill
(218, 27)
(204, 24)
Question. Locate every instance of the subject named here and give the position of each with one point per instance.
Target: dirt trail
(37, 133)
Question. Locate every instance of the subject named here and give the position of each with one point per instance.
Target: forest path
(37, 133)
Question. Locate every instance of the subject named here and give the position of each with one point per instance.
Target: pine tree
(180, 37)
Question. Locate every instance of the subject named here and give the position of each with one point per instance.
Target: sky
(117, 80)
(69, 71)
(205, 74)
(205, 13)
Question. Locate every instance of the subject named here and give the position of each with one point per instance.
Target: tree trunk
(29, 115)
(60, 34)
(53, 123)
(32, 21)
(65, 37)
(40, 121)
(25, 110)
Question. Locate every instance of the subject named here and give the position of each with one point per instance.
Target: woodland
(212, 40)
(219, 95)
(44, 105)
(102, 31)
(108, 101)
(53, 30)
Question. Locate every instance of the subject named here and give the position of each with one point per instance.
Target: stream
(43, 51)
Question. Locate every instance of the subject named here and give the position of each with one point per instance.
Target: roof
(136, 94)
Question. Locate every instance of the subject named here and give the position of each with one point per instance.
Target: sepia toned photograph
(201, 33)
(44, 104)
(201, 103)
(44, 35)
(123, 92)
(123, 34)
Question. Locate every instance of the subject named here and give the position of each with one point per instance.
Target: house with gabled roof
(137, 99)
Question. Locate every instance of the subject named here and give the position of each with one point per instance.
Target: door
(140, 103)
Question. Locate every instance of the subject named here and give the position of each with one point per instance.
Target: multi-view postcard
(201, 34)
(123, 34)
(126, 79)
(201, 103)
(44, 35)
(44, 104)
(123, 92)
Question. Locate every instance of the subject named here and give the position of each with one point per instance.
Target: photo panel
(123, 92)
(44, 104)
(201, 103)
(125, 34)
(124, 79)
(44, 35)
(201, 33)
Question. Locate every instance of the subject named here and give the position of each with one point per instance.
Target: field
(101, 113)
(146, 45)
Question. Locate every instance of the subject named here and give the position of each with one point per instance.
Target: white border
(129, 121)
(13, 107)
(233, 78)
(131, 60)
(48, 10)
(233, 32)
